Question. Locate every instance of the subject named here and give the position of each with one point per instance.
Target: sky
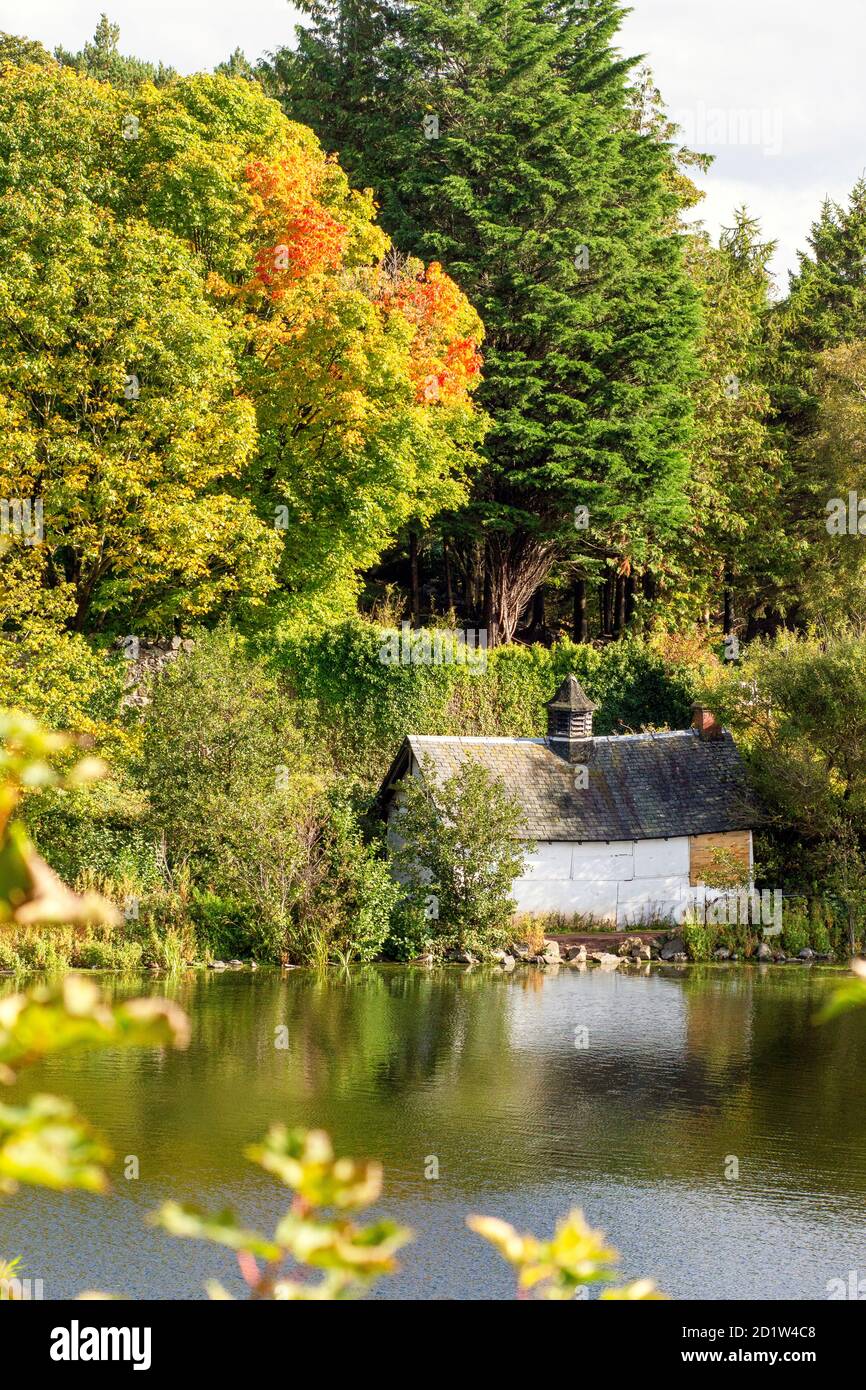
(772, 88)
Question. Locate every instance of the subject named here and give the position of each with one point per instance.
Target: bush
(795, 931)
(58, 678)
(820, 939)
(222, 925)
(115, 953)
(410, 933)
(701, 939)
(458, 856)
(359, 706)
(97, 834)
(276, 859)
(798, 706)
(218, 741)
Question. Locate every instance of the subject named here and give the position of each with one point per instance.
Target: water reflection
(625, 1093)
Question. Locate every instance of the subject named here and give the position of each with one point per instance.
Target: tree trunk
(579, 624)
(449, 588)
(413, 571)
(472, 559)
(619, 606)
(605, 607)
(538, 627)
(516, 565)
(728, 620)
(630, 586)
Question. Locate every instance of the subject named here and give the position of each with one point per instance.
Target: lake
(682, 1070)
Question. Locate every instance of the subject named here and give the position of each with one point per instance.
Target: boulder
(551, 952)
(604, 958)
(462, 958)
(575, 955)
(629, 945)
(806, 954)
(722, 954)
(763, 952)
(519, 950)
(216, 965)
(673, 948)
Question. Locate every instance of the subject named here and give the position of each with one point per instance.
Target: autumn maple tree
(216, 376)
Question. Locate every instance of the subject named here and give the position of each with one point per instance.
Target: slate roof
(640, 786)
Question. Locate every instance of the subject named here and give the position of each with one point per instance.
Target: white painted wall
(623, 882)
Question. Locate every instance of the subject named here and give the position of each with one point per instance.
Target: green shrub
(457, 856)
(59, 678)
(222, 925)
(701, 939)
(359, 706)
(409, 934)
(798, 706)
(820, 939)
(113, 953)
(274, 854)
(96, 834)
(796, 930)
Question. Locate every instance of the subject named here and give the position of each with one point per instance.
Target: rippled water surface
(684, 1069)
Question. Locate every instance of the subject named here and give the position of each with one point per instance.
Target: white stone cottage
(625, 827)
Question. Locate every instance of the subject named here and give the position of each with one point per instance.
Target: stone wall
(146, 660)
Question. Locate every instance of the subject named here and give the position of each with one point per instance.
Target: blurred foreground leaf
(46, 1143)
(73, 1015)
(850, 994)
(556, 1269)
(347, 1258)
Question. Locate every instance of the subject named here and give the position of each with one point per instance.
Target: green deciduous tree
(212, 380)
(244, 806)
(121, 413)
(739, 550)
(798, 707)
(457, 853)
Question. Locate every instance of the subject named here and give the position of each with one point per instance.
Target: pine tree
(500, 140)
(102, 59)
(819, 337)
(825, 306)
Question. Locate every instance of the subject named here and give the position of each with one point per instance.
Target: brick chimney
(705, 722)
(569, 717)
